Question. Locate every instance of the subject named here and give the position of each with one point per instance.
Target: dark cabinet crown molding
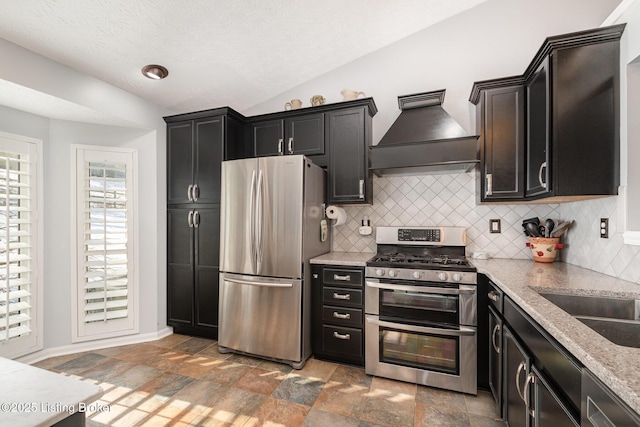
(228, 111)
(563, 41)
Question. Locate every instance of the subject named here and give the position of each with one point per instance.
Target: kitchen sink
(616, 319)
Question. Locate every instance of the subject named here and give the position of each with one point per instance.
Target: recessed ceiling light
(156, 72)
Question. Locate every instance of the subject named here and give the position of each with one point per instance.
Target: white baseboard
(94, 345)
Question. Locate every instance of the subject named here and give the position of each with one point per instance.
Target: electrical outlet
(604, 228)
(494, 226)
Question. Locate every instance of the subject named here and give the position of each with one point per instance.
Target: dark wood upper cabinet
(501, 128)
(335, 136)
(292, 135)
(538, 150)
(350, 180)
(571, 131)
(197, 143)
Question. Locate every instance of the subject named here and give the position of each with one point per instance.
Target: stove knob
(442, 276)
(417, 274)
(457, 277)
(393, 273)
(379, 272)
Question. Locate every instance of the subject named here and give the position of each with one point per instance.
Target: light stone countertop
(358, 259)
(32, 396)
(616, 366)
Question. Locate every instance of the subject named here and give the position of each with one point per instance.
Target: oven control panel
(419, 235)
(437, 276)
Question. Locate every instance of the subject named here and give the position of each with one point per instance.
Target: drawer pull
(493, 296)
(341, 296)
(344, 278)
(341, 337)
(341, 316)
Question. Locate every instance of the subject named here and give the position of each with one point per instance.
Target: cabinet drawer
(495, 296)
(342, 277)
(346, 341)
(342, 316)
(341, 296)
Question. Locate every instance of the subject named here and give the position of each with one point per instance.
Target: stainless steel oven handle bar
(463, 290)
(463, 331)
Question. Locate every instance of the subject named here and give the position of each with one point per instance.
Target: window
(20, 252)
(105, 296)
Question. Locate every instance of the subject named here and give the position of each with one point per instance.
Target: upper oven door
(423, 302)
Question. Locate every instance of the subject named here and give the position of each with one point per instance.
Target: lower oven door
(438, 357)
(422, 302)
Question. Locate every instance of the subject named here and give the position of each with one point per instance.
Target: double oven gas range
(421, 308)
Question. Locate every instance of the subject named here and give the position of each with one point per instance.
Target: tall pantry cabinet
(197, 143)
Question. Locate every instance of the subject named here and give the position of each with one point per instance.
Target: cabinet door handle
(341, 337)
(280, 147)
(290, 145)
(190, 219)
(531, 378)
(361, 195)
(542, 167)
(190, 192)
(345, 297)
(493, 296)
(489, 184)
(341, 315)
(344, 278)
(521, 366)
(195, 191)
(196, 219)
(493, 338)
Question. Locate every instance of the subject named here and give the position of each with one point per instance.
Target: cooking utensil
(548, 226)
(534, 221)
(532, 229)
(562, 227)
(542, 231)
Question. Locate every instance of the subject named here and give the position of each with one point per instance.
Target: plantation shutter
(105, 243)
(105, 237)
(15, 245)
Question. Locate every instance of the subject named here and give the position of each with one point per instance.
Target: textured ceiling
(218, 52)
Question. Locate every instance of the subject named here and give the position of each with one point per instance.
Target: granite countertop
(616, 366)
(358, 259)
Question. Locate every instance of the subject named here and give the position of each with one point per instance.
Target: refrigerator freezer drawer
(261, 316)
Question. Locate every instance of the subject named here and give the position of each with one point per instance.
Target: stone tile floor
(182, 381)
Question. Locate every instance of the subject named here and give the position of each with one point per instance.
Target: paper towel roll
(336, 213)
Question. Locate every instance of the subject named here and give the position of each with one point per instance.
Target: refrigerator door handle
(252, 221)
(264, 284)
(259, 218)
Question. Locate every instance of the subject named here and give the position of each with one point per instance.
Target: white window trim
(34, 342)
(76, 309)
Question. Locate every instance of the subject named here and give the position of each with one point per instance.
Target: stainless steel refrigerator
(272, 213)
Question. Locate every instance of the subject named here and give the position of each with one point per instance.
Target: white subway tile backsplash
(449, 200)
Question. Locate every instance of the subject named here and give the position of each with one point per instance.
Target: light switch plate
(494, 226)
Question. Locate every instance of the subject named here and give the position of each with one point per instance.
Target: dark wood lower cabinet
(516, 369)
(193, 271)
(338, 314)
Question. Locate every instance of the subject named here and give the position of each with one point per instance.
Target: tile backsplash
(449, 200)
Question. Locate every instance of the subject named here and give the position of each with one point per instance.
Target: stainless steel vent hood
(424, 139)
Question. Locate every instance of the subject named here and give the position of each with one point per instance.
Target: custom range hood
(424, 139)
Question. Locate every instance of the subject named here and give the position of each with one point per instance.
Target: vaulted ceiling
(218, 52)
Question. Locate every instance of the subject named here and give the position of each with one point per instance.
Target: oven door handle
(463, 331)
(463, 290)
